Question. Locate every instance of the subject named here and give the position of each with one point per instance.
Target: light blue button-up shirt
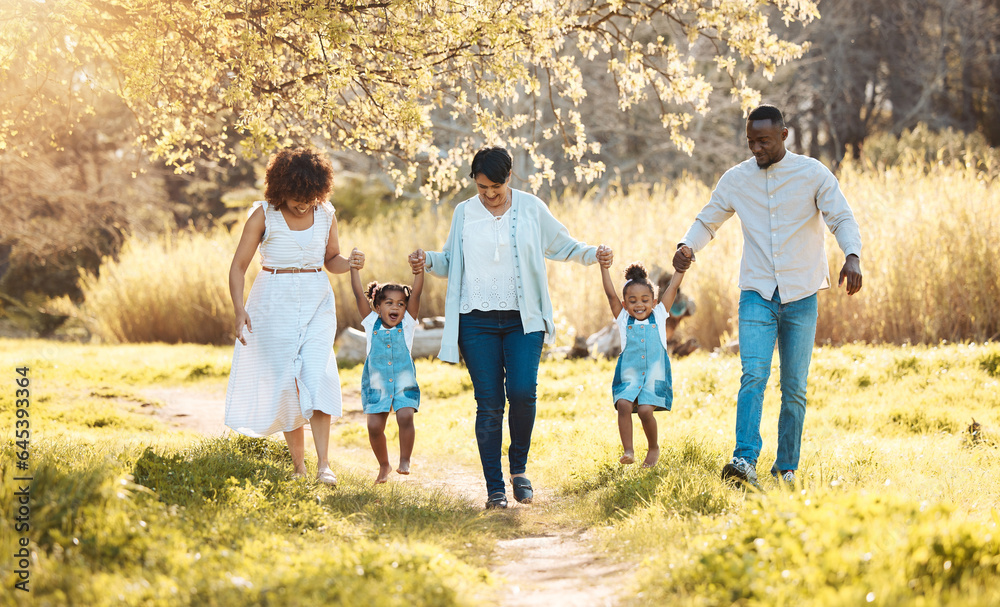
(535, 236)
(782, 209)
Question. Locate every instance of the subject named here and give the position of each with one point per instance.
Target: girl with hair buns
(389, 380)
(642, 382)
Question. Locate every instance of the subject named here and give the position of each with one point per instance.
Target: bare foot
(383, 474)
(652, 456)
(628, 458)
(404, 467)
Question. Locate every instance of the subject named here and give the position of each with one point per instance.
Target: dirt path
(553, 566)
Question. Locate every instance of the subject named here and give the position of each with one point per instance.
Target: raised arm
(670, 293)
(606, 258)
(356, 262)
(413, 305)
(253, 233)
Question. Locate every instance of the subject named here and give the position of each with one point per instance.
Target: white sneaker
(740, 470)
(787, 477)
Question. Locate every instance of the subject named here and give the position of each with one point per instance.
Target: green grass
(897, 504)
(126, 512)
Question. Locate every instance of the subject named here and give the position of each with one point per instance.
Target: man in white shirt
(782, 199)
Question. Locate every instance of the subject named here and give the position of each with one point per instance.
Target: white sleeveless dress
(294, 320)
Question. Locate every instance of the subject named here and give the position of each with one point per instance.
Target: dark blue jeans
(503, 365)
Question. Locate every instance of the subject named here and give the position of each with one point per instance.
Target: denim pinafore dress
(389, 379)
(642, 376)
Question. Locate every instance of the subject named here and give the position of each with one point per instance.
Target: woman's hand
(417, 261)
(605, 256)
(357, 259)
(242, 318)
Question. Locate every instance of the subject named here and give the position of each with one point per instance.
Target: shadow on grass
(203, 472)
(255, 475)
(685, 481)
(404, 510)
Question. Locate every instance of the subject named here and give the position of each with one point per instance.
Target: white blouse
(488, 261)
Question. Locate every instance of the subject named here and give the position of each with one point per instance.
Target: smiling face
(493, 195)
(392, 308)
(639, 301)
(766, 140)
(299, 207)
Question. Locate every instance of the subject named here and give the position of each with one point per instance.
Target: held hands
(357, 259)
(605, 256)
(851, 272)
(683, 258)
(418, 260)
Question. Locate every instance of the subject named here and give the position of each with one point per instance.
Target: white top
(409, 326)
(660, 315)
(488, 281)
(782, 210)
(303, 236)
(283, 248)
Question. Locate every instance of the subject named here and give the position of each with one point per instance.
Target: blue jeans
(503, 365)
(793, 327)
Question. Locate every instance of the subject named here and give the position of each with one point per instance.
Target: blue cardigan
(536, 235)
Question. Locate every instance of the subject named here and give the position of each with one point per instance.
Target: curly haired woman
(284, 370)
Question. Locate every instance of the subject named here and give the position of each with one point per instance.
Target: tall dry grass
(170, 288)
(931, 237)
(931, 244)
(931, 241)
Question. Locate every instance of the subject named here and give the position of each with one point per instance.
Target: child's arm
(357, 261)
(413, 305)
(670, 293)
(605, 260)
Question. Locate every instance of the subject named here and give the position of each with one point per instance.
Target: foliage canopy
(388, 77)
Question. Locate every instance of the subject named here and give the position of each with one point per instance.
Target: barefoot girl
(642, 381)
(388, 381)
(284, 372)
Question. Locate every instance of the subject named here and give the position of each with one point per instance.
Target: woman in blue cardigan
(497, 307)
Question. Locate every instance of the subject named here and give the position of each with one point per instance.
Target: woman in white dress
(284, 370)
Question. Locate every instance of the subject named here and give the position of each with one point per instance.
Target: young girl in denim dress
(389, 380)
(642, 382)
